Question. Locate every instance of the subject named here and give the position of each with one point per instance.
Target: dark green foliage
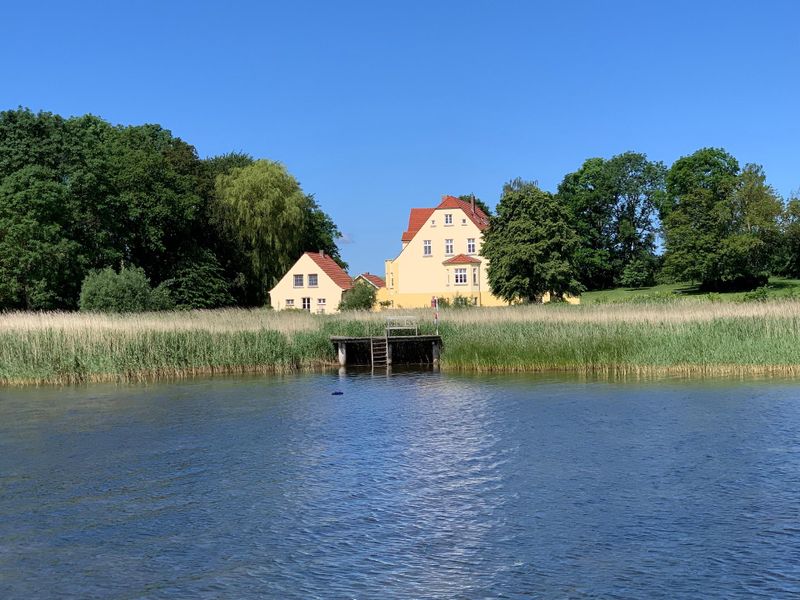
(126, 291)
(199, 282)
(789, 257)
(721, 225)
(640, 272)
(530, 246)
(613, 205)
(80, 194)
(360, 297)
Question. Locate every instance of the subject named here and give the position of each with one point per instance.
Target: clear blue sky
(377, 107)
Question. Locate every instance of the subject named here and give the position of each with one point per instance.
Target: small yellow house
(315, 283)
(440, 257)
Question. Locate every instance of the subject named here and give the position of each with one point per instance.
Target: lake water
(418, 485)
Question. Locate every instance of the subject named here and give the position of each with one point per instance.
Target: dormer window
(448, 219)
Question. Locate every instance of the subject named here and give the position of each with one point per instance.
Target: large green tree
(613, 205)
(721, 225)
(530, 246)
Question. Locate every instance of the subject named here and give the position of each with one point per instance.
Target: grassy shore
(680, 337)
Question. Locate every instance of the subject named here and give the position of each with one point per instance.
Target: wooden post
(342, 353)
(388, 352)
(436, 353)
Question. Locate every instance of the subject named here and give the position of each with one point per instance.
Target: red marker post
(435, 307)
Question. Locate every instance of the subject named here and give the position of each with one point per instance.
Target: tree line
(721, 226)
(81, 198)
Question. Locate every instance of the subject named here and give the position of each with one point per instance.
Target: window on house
(471, 246)
(448, 247)
(426, 247)
(307, 304)
(461, 276)
(391, 280)
(433, 222)
(298, 281)
(463, 221)
(321, 304)
(448, 219)
(475, 276)
(312, 280)
(290, 303)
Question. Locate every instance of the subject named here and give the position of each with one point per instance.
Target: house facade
(440, 257)
(315, 283)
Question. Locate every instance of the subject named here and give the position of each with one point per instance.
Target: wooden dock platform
(379, 351)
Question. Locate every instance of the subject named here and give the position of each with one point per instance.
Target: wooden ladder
(379, 351)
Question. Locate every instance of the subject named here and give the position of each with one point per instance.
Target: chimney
(473, 205)
(322, 253)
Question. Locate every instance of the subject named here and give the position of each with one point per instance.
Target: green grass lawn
(779, 287)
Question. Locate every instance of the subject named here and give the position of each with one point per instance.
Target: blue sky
(378, 107)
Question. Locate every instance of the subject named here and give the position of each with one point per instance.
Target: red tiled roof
(461, 259)
(331, 269)
(416, 220)
(378, 282)
(418, 216)
(479, 218)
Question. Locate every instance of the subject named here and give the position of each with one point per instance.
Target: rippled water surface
(419, 485)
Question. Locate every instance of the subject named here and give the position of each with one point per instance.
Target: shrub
(460, 301)
(126, 291)
(760, 294)
(360, 297)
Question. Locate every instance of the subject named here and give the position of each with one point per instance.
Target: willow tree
(263, 208)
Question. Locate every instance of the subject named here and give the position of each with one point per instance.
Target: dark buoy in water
(337, 393)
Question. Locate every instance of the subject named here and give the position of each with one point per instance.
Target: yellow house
(440, 257)
(315, 283)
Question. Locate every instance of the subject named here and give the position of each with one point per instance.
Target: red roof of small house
(331, 268)
(462, 259)
(416, 220)
(378, 282)
(418, 216)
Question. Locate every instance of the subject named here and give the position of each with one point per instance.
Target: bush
(460, 301)
(760, 294)
(360, 297)
(126, 291)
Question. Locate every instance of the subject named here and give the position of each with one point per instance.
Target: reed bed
(681, 337)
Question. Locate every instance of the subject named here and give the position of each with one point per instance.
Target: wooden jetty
(397, 346)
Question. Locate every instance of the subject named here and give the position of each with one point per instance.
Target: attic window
(433, 222)
(463, 221)
(448, 219)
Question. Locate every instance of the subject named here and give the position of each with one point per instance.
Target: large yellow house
(315, 283)
(440, 257)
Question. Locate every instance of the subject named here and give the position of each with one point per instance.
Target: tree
(530, 246)
(360, 297)
(613, 205)
(790, 255)
(273, 222)
(721, 226)
(38, 261)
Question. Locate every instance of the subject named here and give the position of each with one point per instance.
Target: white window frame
(460, 275)
(322, 304)
(470, 245)
(306, 304)
(448, 219)
(448, 247)
(290, 303)
(463, 221)
(475, 276)
(316, 280)
(433, 222)
(295, 281)
(427, 248)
